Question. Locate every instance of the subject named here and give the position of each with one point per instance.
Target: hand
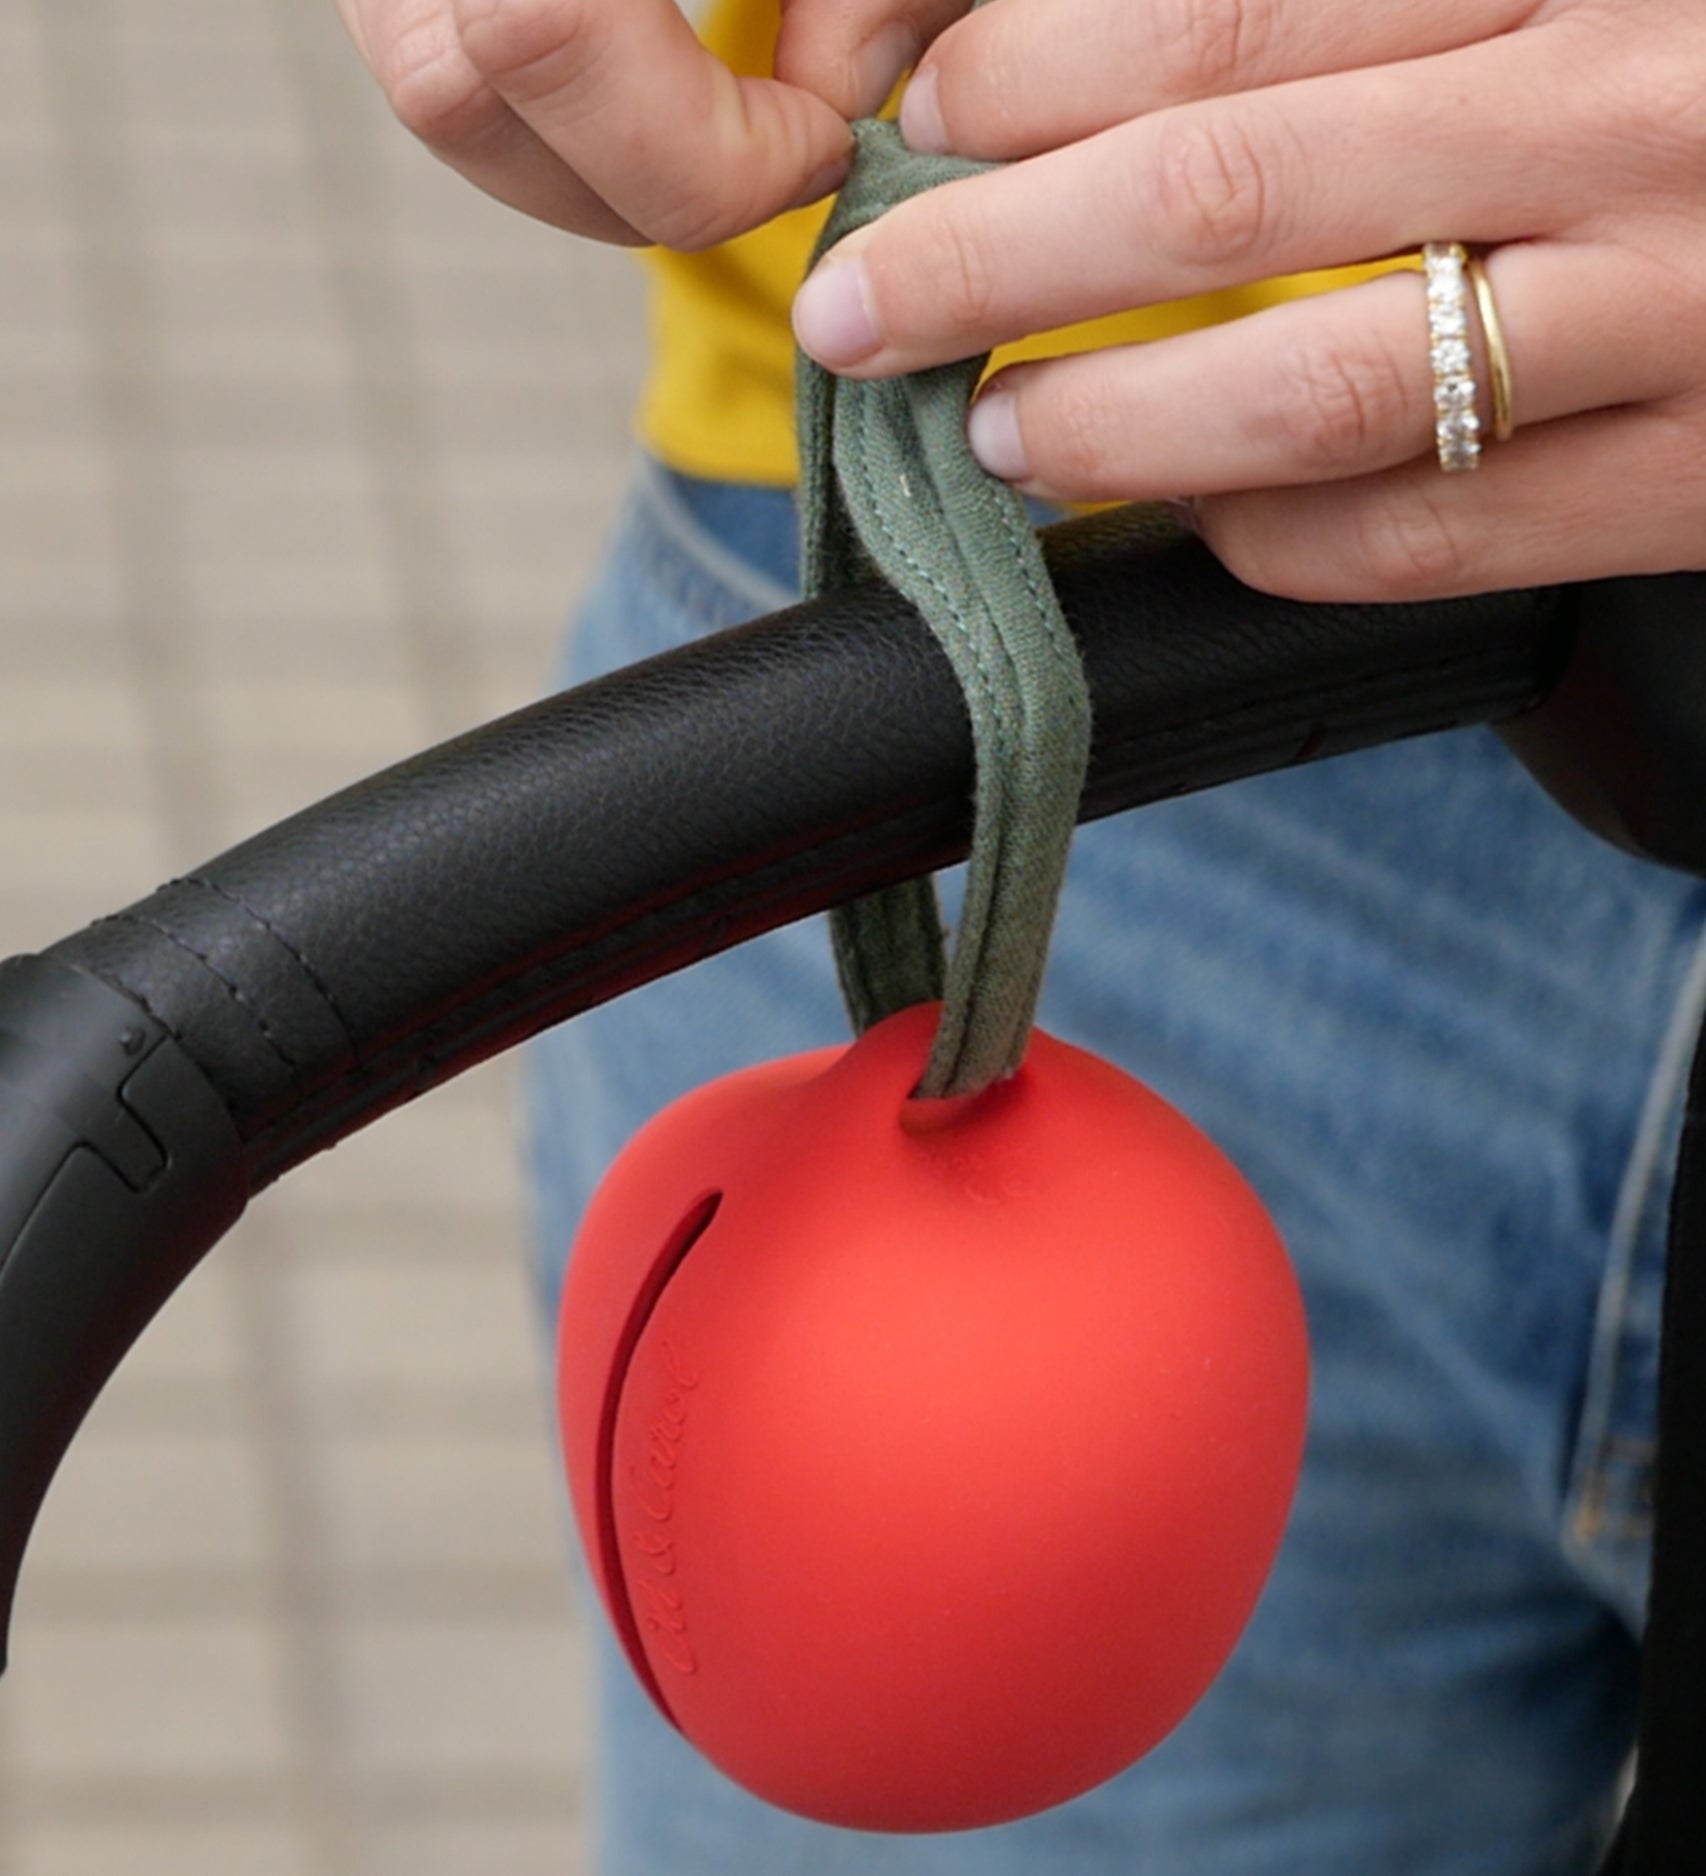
(604, 117)
(1175, 146)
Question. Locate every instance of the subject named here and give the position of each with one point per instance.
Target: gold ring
(1498, 354)
(1457, 421)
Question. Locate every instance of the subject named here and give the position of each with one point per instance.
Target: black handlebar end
(123, 1169)
(1621, 740)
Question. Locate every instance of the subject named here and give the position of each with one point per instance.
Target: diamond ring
(1457, 419)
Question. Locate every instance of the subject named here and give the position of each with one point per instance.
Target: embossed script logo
(658, 1603)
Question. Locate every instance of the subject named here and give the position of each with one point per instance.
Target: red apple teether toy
(930, 1458)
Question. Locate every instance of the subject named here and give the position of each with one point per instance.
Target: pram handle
(162, 1065)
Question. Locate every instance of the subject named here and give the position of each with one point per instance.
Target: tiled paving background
(304, 447)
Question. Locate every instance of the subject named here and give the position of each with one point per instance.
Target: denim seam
(702, 553)
(680, 593)
(1588, 1505)
(691, 601)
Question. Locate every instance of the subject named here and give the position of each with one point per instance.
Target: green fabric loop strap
(889, 486)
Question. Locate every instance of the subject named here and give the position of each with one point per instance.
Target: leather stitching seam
(266, 925)
(232, 990)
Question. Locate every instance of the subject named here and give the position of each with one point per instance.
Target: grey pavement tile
(510, 600)
(38, 280)
(57, 356)
(59, 617)
(171, 1700)
(26, 116)
(275, 541)
(383, 1229)
(450, 1502)
(205, 87)
(173, 159)
(202, 409)
(510, 494)
(242, 504)
(351, 1326)
(266, 317)
(419, 208)
(514, 1849)
(525, 528)
(234, 631)
(48, 399)
(59, 551)
(459, 416)
(89, 1598)
(279, 598)
(361, 721)
(45, 635)
(106, 855)
(75, 775)
(526, 307)
(470, 1698)
(32, 235)
(196, 23)
(136, 1848)
(450, 1149)
(93, 714)
(473, 337)
(506, 1409)
(155, 241)
(133, 1504)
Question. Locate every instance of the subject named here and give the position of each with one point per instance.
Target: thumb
(850, 53)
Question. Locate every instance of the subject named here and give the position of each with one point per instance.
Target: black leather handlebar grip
(360, 952)
(161, 1066)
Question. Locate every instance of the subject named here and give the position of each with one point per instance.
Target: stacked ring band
(1498, 358)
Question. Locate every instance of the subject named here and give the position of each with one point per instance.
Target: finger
(413, 49)
(1312, 174)
(852, 52)
(1089, 67)
(349, 11)
(624, 94)
(1613, 492)
(1324, 389)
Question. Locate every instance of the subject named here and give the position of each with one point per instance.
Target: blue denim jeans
(1443, 1032)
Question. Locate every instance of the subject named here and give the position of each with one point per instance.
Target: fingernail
(832, 314)
(879, 62)
(921, 115)
(992, 429)
(1183, 509)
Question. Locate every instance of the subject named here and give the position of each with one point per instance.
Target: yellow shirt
(719, 400)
